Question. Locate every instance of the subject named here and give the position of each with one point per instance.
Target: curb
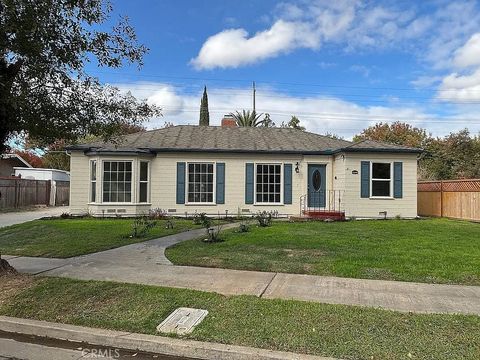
(145, 343)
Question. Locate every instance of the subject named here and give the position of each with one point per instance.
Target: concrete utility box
(182, 321)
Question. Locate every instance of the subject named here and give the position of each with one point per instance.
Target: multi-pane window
(93, 181)
(268, 183)
(381, 179)
(117, 181)
(143, 195)
(200, 183)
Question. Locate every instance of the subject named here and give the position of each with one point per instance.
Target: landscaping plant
(141, 226)
(264, 218)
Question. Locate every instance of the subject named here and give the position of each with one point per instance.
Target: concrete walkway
(18, 217)
(145, 263)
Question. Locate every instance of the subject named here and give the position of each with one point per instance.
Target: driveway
(18, 217)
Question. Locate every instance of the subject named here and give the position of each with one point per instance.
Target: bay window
(143, 179)
(117, 181)
(93, 181)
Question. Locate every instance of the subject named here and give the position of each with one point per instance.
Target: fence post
(15, 202)
(49, 189)
(441, 198)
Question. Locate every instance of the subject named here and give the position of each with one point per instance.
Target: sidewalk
(145, 263)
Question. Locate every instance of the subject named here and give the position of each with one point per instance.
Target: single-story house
(9, 161)
(219, 169)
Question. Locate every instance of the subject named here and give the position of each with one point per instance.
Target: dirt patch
(378, 273)
(11, 285)
(303, 252)
(213, 262)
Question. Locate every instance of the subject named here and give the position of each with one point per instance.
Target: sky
(339, 66)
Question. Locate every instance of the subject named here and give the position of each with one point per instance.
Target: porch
(322, 205)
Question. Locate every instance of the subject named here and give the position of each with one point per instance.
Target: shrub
(264, 218)
(158, 214)
(202, 219)
(141, 226)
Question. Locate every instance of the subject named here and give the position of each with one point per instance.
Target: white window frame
(140, 181)
(375, 179)
(214, 183)
(92, 182)
(260, 203)
(132, 192)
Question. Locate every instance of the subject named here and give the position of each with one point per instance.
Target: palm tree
(247, 118)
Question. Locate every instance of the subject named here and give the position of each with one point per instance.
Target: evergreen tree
(204, 114)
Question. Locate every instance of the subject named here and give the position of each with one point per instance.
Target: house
(229, 169)
(9, 161)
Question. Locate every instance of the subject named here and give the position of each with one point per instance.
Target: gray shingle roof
(225, 139)
(370, 145)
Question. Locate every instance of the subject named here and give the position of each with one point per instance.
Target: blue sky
(337, 65)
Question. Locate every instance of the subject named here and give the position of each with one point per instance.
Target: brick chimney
(228, 121)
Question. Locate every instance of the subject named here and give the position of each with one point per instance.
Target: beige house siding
(79, 183)
(363, 207)
(163, 183)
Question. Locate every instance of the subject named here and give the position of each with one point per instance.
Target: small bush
(65, 215)
(202, 219)
(244, 224)
(141, 226)
(158, 214)
(264, 218)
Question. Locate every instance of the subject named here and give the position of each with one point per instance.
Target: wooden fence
(458, 199)
(62, 193)
(17, 192)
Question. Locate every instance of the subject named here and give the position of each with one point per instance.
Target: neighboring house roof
(189, 138)
(41, 169)
(370, 145)
(17, 158)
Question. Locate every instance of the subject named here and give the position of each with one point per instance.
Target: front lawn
(346, 332)
(64, 238)
(432, 250)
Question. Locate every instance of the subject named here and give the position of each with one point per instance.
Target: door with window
(316, 185)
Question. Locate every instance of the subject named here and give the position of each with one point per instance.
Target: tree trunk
(5, 267)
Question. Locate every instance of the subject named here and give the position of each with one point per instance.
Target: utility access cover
(182, 321)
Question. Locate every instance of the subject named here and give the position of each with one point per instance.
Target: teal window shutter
(249, 183)
(397, 180)
(220, 189)
(365, 179)
(287, 183)
(180, 183)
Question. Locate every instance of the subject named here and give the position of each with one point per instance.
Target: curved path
(145, 263)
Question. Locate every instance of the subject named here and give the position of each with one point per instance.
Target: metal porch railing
(326, 201)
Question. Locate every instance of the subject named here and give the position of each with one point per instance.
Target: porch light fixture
(297, 167)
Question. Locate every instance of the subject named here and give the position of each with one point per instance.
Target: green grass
(432, 250)
(331, 330)
(72, 237)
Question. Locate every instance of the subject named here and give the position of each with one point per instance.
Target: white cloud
(460, 88)
(468, 54)
(233, 47)
(463, 87)
(354, 25)
(318, 113)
